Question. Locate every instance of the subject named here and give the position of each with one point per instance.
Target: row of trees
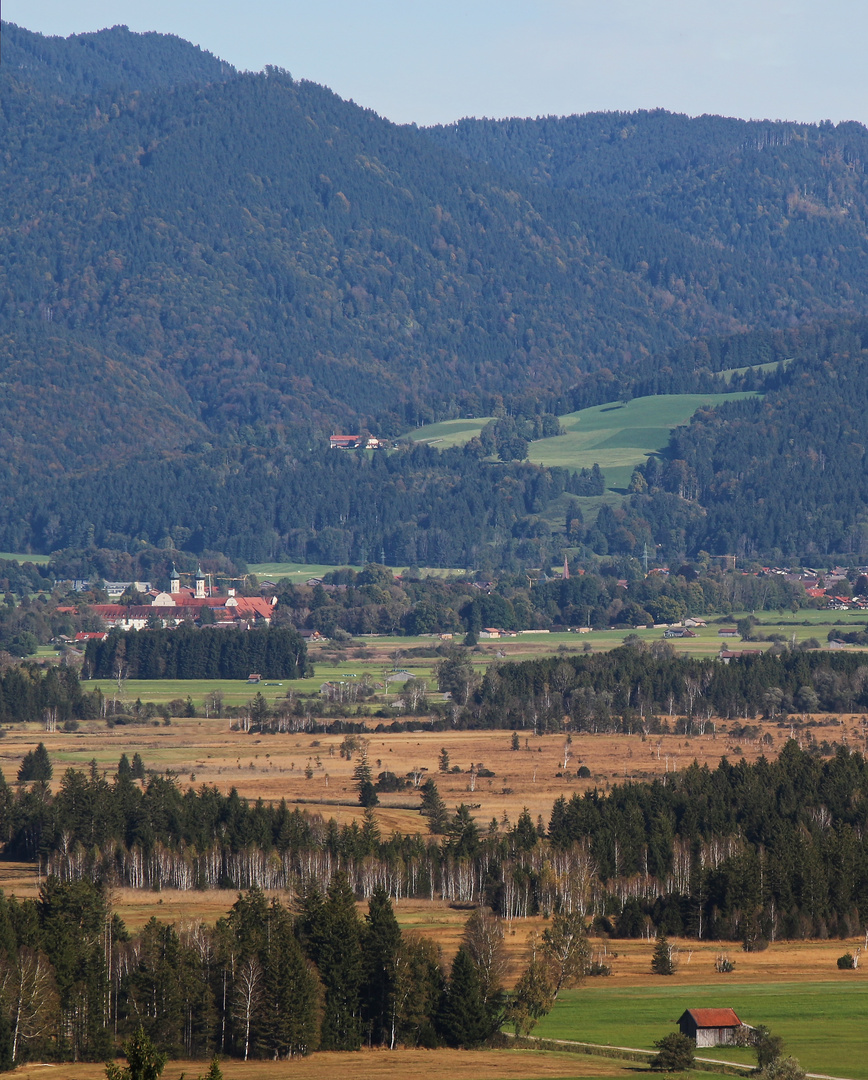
(264, 982)
(185, 653)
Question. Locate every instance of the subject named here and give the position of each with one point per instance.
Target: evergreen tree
(145, 1062)
(363, 778)
(290, 1024)
(662, 962)
(381, 941)
(335, 947)
(464, 1021)
(433, 807)
(35, 766)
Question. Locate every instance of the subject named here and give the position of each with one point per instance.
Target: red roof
(90, 635)
(714, 1018)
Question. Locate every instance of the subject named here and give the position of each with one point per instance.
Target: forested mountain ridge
(226, 267)
(83, 63)
(783, 192)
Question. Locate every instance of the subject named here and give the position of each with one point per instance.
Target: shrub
(674, 1053)
(846, 962)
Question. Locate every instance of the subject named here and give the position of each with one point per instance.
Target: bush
(675, 1053)
(846, 962)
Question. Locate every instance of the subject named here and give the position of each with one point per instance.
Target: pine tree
(433, 807)
(35, 765)
(290, 1025)
(363, 778)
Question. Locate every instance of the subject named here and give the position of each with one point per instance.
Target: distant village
(201, 602)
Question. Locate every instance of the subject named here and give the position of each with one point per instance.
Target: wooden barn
(710, 1027)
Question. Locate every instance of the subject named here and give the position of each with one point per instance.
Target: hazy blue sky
(431, 62)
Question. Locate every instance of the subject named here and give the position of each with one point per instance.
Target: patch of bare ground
(372, 1065)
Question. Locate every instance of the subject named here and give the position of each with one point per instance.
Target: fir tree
(433, 807)
(661, 961)
(381, 940)
(464, 1021)
(336, 950)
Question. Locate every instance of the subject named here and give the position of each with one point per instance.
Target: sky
(433, 63)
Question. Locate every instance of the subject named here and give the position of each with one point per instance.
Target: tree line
(267, 981)
(273, 652)
(748, 852)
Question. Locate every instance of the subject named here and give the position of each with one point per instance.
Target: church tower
(200, 584)
(174, 581)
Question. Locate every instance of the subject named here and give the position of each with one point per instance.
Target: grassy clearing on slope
(449, 432)
(619, 436)
(11, 556)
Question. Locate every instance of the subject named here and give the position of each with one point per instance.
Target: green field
(11, 556)
(822, 1023)
(388, 653)
(449, 432)
(300, 572)
(728, 373)
(295, 572)
(619, 436)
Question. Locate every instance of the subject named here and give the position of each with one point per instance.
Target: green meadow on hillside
(449, 432)
(617, 436)
(620, 435)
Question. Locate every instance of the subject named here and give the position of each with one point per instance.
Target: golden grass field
(273, 767)
(373, 1065)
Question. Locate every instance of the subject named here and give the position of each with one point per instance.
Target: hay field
(309, 770)
(375, 1065)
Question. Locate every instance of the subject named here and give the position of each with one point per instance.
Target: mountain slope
(85, 63)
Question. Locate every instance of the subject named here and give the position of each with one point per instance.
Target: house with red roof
(710, 1027)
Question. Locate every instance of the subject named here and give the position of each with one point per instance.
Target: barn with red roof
(710, 1027)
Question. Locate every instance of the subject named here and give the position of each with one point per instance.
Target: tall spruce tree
(290, 1021)
(464, 1020)
(381, 940)
(335, 947)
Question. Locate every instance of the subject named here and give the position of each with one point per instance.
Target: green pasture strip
(300, 572)
(618, 436)
(618, 1054)
(12, 556)
(728, 373)
(449, 432)
(296, 572)
(822, 1023)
